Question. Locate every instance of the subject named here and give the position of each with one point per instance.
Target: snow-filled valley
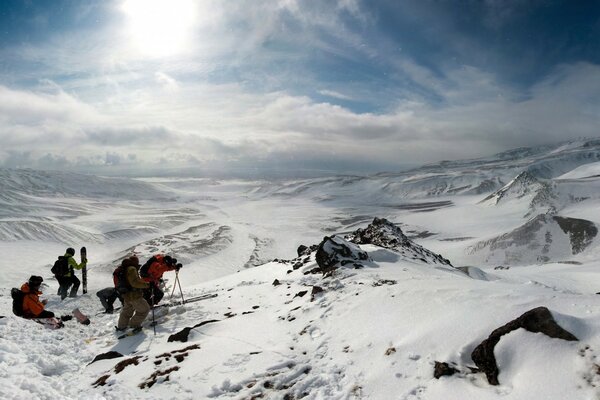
(424, 266)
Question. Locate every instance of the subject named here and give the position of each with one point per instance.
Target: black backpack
(144, 268)
(120, 280)
(60, 267)
(17, 296)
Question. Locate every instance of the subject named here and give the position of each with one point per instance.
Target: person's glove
(44, 302)
(178, 267)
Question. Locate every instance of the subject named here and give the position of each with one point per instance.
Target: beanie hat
(35, 281)
(126, 262)
(71, 251)
(134, 261)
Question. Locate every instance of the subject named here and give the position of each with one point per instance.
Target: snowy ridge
(366, 333)
(370, 313)
(447, 178)
(383, 233)
(542, 239)
(524, 184)
(68, 184)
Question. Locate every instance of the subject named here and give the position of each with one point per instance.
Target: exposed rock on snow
(524, 184)
(383, 233)
(580, 231)
(536, 320)
(541, 239)
(443, 369)
(107, 356)
(541, 194)
(182, 335)
(334, 252)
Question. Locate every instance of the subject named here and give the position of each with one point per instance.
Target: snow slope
(372, 333)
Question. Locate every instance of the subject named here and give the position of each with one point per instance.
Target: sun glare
(160, 28)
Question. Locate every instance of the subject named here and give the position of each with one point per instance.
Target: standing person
(65, 273)
(107, 297)
(152, 272)
(32, 306)
(135, 308)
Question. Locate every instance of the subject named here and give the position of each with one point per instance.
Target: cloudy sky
(341, 85)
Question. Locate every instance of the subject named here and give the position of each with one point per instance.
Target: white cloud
(334, 94)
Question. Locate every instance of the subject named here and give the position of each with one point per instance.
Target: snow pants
(134, 312)
(107, 297)
(65, 282)
(158, 295)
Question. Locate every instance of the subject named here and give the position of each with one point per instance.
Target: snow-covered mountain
(543, 238)
(408, 283)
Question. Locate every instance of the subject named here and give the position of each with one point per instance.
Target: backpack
(144, 269)
(120, 280)
(17, 296)
(60, 267)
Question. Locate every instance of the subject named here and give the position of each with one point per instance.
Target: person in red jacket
(32, 306)
(152, 272)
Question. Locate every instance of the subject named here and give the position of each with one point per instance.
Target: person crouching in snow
(152, 272)
(32, 306)
(135, 308)
(107, 297)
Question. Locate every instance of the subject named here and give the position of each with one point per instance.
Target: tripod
(177, 283)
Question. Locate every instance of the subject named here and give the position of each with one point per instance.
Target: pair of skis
(178, 303)
(56, 323)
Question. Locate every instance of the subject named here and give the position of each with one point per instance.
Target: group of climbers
(137, 287)
(140, 288)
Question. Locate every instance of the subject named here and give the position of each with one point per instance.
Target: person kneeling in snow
(32, 306)
(130, 286)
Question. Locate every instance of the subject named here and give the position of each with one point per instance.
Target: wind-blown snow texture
(427, 270)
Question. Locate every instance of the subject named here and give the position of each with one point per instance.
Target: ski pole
(152, 299)
(179, 283)
(174, 286)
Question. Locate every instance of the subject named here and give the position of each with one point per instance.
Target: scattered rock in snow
(150, 381)
(306, 250)
(276, 282)
(182, 336)
(107, 356)
(125, 363)
(315, 291)
(382, 282)
(301, 293)
(443, 369)
(536, 320)
(101, 381)
(390, 351)
(334, 252)
(383, 233)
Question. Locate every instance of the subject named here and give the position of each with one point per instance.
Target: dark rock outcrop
(536, 320)
(443, 369)
(383, 233)
(306, 250)
(334, 252)
(182, 335)
(107, 356)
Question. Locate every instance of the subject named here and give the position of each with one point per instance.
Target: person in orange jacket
(152, 272)
(32, 306)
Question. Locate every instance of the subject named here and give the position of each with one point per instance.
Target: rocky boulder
(334, 252)
(383, 233)
(536, 320)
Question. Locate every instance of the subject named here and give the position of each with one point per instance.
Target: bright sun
(160, 28)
